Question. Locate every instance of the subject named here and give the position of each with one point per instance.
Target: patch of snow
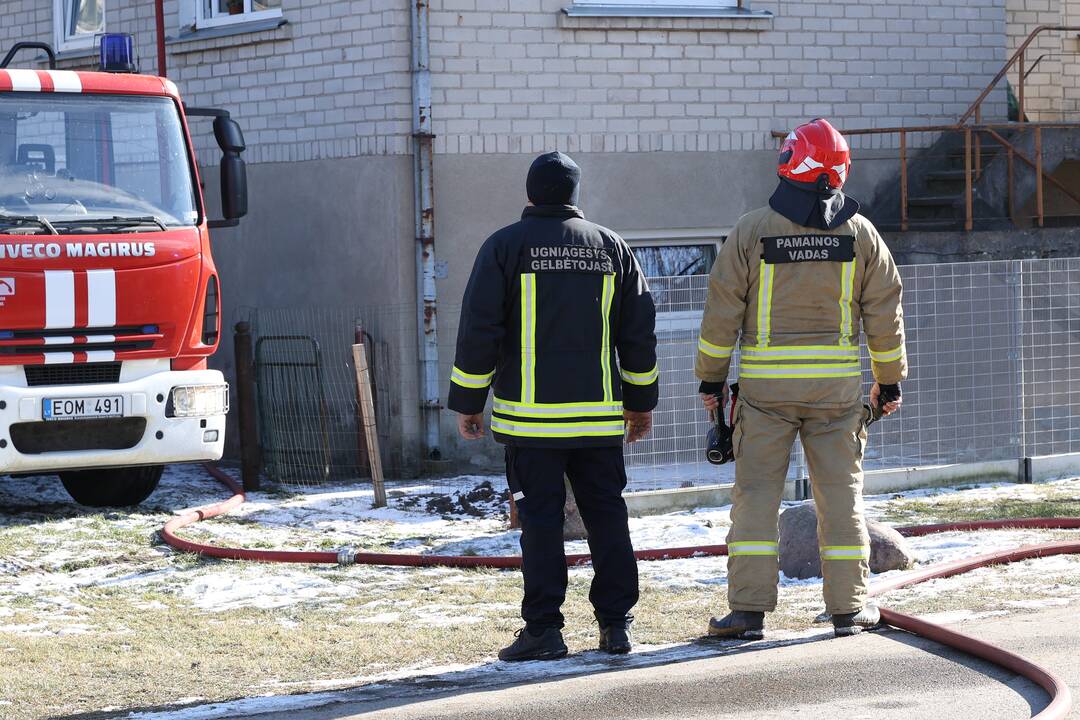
(253, 587)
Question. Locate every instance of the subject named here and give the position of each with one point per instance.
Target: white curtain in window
(87, 17)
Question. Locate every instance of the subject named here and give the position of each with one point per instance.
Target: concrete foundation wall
(322, 234)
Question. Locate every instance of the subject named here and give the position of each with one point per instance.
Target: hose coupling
(346, 556)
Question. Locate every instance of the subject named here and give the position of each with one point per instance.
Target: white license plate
(85, 407)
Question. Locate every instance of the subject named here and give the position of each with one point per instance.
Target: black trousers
(597, 476)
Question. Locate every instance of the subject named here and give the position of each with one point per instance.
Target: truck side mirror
(234, 194)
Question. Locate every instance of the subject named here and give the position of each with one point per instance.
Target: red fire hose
(1060, 696)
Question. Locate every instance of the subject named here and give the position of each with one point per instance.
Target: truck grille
(80, 374)
(36, 438)
(35, 343)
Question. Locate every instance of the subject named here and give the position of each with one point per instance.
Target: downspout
(424, 195)
(159, 26)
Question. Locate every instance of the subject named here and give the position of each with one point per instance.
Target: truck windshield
(86, 163)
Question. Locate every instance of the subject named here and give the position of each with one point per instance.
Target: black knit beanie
(554, 179)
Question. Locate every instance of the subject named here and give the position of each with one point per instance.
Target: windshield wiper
(118, 221)
(16, 220)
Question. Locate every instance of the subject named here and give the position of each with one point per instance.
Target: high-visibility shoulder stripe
(470, 380)
(528, 337)
(557, 430)
(847, 285)
(555, 410)
(803, 352)
(887, 355)
(645, 378)
(765, 292)
(716, 351)
(607, 294)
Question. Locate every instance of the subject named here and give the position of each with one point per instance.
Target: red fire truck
(109, 298)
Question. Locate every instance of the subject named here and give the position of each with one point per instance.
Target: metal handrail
(1043, 57)
(1017, 56)
(974, 131)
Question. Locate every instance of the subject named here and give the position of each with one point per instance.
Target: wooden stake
(367, 413)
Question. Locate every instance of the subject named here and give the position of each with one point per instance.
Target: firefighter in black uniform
(558, 317)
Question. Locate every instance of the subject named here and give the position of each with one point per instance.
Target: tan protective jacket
(797, 296)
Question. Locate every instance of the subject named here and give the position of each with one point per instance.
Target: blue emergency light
(118, 53)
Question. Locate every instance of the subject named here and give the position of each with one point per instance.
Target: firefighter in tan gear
(792, 286)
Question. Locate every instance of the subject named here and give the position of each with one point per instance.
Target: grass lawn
(141, 636)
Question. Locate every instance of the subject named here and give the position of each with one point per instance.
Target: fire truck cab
(109, 298)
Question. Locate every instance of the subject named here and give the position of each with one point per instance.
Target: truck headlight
(198, 401)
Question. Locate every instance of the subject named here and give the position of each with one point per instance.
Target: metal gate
(293, 413)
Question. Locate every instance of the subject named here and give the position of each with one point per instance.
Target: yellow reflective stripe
(752, 547)
(847, 283)
(606, 296)
(470, 380)
(800, 352)
(557, 409)
(574, 429)
(765, 290)
(528, 337)
(716, 351)
(645, 378)
(824, 370)
(589, 404)
(888, 355)
(845, 552)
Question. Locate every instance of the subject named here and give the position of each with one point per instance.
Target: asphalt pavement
(886, 675)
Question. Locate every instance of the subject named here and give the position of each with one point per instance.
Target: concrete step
(923, 224)
(933, 200)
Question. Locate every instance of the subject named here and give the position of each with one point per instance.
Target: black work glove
(889, 393)
(711, 388)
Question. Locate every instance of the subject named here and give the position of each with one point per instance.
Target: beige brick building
(668, 107)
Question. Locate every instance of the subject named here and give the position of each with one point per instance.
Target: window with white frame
(698, 4)
(678, 270)
(78, 22)
(655, 7)
(212, 13)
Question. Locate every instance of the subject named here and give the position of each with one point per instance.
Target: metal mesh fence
(994, 354)
(994, 351)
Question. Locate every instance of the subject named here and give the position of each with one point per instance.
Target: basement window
(678, 271)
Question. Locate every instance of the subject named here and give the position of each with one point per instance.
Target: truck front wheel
(112, 487)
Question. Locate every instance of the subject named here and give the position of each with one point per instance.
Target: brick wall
(1042, 87)
(333, 82)
(516, 76)
(509, 77)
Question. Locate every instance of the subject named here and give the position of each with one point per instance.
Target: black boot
(739, 625)
(845, 624)
(548, 645)
(615, 639)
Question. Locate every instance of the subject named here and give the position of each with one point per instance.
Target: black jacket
(553, 300)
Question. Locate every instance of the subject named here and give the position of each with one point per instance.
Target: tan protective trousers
(833, 440)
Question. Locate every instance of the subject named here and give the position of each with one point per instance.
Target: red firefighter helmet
(815, 154)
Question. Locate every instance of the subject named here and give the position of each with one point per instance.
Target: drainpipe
(424, 194)
(159, 26)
